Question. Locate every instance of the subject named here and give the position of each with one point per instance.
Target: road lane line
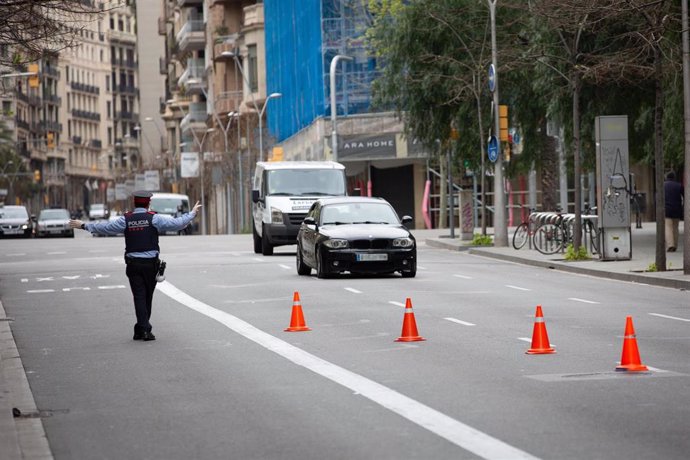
(464, 323)
(286, 267)
(17, 254)
(575, 299)
(454, 431)
(25, 280)
(115, 286)
(463, 277)
(517, 287)
(398, 304)
(419, 267)
(670, 317)
(525, 339)
(40, 291)
(56, 253)
(257, 259)
(353, 290)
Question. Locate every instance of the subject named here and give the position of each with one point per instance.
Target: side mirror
(255, 196)
(406, 220)
(309, 221)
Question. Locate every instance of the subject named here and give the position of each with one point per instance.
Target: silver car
(54, 222)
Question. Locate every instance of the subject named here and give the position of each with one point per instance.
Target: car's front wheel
(320, 269)
(257, 241)
(302, 268)
(266, 246)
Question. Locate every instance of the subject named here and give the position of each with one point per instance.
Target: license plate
(16, 231)
(371, 257)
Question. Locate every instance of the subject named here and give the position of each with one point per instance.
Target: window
(253, 68)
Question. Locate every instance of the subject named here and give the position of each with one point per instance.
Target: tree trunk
(442, 198)
(660, 259)
(549, 173)
(577, 237)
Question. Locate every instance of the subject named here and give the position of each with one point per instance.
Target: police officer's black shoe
(147, 336)
(138, 336)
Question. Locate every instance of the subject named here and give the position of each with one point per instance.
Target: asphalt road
(224, 380)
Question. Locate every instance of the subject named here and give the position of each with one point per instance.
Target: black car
(356, 235)
(15, 222)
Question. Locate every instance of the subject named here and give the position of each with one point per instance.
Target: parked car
(54, 222)
(15, 222)
(98, 211)
(356, 235)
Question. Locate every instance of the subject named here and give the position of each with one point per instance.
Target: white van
(171, 204)
(283, 192)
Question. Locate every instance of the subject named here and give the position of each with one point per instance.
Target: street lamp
(500, 226)
(261, 117)
(334, 131)
(203, 166)
(234, 56)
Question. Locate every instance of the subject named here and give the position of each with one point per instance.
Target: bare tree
(29, 27)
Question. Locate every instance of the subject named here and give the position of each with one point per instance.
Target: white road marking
(56, 253)
(353, 290)
(74, 277)
(286, 267)
(463, 277)
(25, 280)
(669, 317)
(419, 267)
(97, 250)
(528, 340)
(257, 259)
(517, 287)
(575, 299)
(16, 254)
(50, 278)
(464, 323)
(98, 275)
(399, 304)
(117, 286)
(76, 289)
(40, 291)
(454, 431)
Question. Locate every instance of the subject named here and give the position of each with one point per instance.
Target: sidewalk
(633, 270)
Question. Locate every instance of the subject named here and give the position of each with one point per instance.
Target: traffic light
(37, 175)
(33, 79)
(50, 140)
(503, 122)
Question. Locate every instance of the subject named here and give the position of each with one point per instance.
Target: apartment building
(214, 96)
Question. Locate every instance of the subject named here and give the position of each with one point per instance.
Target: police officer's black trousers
(142, 281)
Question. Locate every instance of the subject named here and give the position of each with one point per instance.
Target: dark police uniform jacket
(140, 234)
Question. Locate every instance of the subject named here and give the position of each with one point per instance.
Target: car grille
(370, 244)
(296, 219)
(10, 227)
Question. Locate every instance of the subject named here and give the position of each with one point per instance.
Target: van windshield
(306, 182)
(168, 205)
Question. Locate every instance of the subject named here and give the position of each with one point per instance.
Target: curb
(21, 438)
(567, 267)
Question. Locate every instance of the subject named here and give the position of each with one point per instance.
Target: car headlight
(25, 226)
(403, 243)
(276, 216)
(336, 244)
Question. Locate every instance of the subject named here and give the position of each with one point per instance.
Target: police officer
(141, 228)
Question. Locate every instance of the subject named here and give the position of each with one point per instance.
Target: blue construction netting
(302, 37)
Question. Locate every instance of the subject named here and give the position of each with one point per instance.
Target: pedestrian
(141, 228)
(673, 200)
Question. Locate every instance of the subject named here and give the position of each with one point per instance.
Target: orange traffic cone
(630, 360)
(409, 328)
(540, 339)
(297, 323)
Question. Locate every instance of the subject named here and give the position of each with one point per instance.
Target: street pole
(203, 192)
(500, 226)
(334, 114)
(261, 117)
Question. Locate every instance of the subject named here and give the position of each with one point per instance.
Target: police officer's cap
(142, 198)
(143, 194)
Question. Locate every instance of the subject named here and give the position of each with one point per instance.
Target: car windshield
(13, 213)
(306, 182)
(47, 214)
(97, 207)
(358, 213)
(168, 205)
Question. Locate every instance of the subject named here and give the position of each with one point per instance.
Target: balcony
(163, 66)
(253, 16)
(185, 3)
(193, 79)
(195, 119)
(84, 88)
(53, 100)
(125, 89)
(85, 115)
(228, 101)
(162, 26)
(192, 36)
(127, 116)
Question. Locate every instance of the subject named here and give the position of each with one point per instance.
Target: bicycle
(526, 230)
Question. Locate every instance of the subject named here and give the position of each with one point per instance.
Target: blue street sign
(492, 149)
(492, 78)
